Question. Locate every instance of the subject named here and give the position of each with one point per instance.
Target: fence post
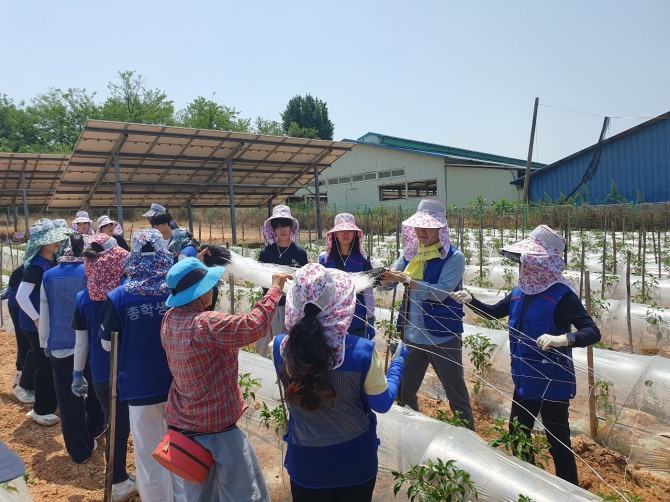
(591, 376)
(628, 324)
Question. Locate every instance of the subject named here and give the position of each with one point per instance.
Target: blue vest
(336, 445)
(98, 357)
(61, 285)
(143, 371)
(441, 319)
(11, 299)
(355, 263)
(539, 374)
(25, 321)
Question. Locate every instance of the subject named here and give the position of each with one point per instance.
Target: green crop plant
(388, 328)
(510, 278)
(453, 419)
(436, 482)
(604, 399)
(656, 325)
(609, 282)
(515, 439)
(598, 307)
(481, 349)
(275, 418)
(248, 385)
(524, 498)
(615, 497)
(481, 280)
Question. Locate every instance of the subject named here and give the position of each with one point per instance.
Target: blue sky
(463, 74)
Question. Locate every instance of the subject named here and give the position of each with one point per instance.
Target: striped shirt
(202, 349)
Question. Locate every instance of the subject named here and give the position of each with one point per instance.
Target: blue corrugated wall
(639, 163)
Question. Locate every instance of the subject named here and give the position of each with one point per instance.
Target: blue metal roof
(637, 161)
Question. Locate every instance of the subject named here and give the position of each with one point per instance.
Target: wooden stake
(628, 324)
(591, 375)
(111, 424)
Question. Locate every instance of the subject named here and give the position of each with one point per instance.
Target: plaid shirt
(202, 349)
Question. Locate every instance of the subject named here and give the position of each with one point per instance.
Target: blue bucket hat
(189, 279)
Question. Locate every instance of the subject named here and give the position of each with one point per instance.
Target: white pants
(155, 483)
(277, 327)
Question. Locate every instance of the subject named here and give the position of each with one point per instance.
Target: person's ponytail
(308, 360)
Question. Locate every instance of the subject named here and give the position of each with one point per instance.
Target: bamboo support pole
(628, 323)
(111, 424)
(593, 426)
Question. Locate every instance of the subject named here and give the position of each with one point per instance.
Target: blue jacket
(441, 319)
(61, 285)
(539, 374)
(144, 376)
(336, 445)
(25, 321)
(90, 312)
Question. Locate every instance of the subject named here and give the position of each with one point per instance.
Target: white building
(397, 172)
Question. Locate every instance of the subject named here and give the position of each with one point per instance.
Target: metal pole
(119, 199)
(231, 192)
(319, 234)
(526, 180)
(25, 204)
(16, 218)
(190, 217)
(111, 424)
(628, 324)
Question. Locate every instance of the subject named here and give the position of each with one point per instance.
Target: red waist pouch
(183, 456)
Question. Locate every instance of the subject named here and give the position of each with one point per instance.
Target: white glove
(400, 351)
(545, 342)
(461, 296)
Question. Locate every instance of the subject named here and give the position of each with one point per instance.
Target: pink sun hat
(280, 211)
(430, 214)
(541, 241)
(103, 274)
(344, 222)
(331, 290)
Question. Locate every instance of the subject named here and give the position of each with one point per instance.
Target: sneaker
(47, 420)
(23, 395)
(17, 377)
(124, 490)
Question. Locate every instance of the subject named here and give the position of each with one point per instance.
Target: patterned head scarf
(344, 222)
(430, 214)
(104, 273)
(541, 260)
(179, 241)
(147, 270)
(82, 217)
(42, 233)
(280, 211)
(333, 292)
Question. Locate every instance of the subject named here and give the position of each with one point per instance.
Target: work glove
(545, 342)
(461, 296)
(370, 330)
(400, 352)
(79, 384)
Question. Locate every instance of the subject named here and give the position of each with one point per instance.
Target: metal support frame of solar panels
(28, 179)
(181, 167)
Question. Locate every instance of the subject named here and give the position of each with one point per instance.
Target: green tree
(17, 129)
(59, 117)
(131, 101)
(269, 127)
(307, 117)
(202, 113)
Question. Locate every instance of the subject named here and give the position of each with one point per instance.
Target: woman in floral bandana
(541, 309)
(333, 381)
(135, 311)
(104, 266)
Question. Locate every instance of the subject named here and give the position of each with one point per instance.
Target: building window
(332, 181)
(370, 176)
(345, 179)
(398, 172)
(384, 174)
(357, 178)
(413, 189)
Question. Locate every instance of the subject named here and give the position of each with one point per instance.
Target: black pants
(81, 419)
(555, 420)
(121, 430)
(45, 396)
(358, 493)
(24, 357)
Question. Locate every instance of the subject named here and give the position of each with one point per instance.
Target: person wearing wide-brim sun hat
(41, 254)
(82, 223)
(541, 309)
(135, 310)
(334, 382)
(344, 251)
(155, 210)
(108, 226)
(205, 400)
(431, 267)
(281, 232)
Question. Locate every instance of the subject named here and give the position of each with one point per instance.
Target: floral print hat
(106, 220)
(430, 214)
(82, 217)
(344, 222)
(541, 258)
(42, 233)
(333, 292)
(147, 270)
(280, 211)
(104, 273)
